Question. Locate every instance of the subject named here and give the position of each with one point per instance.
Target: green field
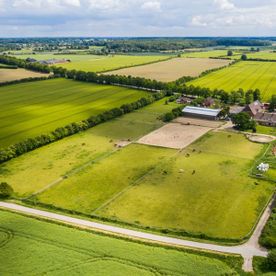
(218, 200)
(206, 54)
(33, 247)
(266, 130)
(136, 189)
(245, 75)
(97, 63)
(29, 173)
(33, 108)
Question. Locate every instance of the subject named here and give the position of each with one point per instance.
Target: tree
(271, 260)
(249, 97)
(244, 57)
(272, 103)
(5, 190)
(243, 121)
(230, 53)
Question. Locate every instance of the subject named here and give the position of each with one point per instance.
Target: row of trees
(70, 129)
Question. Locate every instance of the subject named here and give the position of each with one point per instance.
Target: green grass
(266, 130)
(63, 156)
(206, 54)
(245, 75)
(219, 200)
(33, 247)
(33, 108)
(96, 63)
(104, 179)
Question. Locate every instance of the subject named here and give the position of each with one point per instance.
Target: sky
(102, 18)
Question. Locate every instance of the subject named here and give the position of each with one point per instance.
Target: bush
(271, 260)
(5, 190)
(243, 121)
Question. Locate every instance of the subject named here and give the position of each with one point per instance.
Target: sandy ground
(17, 74)
(260, 138)
(198, 122)
(174, 135)
(172, 69)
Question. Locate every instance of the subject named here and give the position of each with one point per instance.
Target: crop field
(30, 173)
(205, 189)
(246, 75)
(205, 54)
(18, 74)
(33, 247)
(30, 109)
(173, 69)
(97, 63)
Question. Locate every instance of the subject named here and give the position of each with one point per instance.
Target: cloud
(104, 4)
(154, 6)
(224, 4)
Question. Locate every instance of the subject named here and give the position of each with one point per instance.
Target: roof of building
(201, 111)
(255, 107)
(236, 109)
(265, 117)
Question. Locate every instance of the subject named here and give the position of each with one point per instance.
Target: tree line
(73, 128)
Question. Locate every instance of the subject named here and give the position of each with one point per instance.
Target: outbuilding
(201, 112)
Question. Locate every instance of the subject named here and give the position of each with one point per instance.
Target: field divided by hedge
(30, 109)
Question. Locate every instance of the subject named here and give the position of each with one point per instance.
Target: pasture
(33, 247)
(98, 63)
(30, 173)
(173, 69)
(246, 75)
(203, 190)
(18, 74)
(30, 109)
(205, 54)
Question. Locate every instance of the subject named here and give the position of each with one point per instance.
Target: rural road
(247, 250)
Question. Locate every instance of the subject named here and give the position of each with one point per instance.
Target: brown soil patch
(173, 69)
(174, 135)
(260, 138)
(198, 122)
(18, 74)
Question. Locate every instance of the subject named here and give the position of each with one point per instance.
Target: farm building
(254, 108)
(265, 118)
(201, 112)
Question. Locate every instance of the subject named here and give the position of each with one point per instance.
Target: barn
(201, 112)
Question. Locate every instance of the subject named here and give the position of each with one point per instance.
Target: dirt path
(247, 250)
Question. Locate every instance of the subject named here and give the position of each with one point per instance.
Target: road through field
(247, 250)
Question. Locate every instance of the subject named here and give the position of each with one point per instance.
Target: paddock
(174, 135)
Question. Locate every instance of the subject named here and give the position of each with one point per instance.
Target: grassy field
(245, 75)
(33, 247)
(18, 74)
(203, 190)
(206, 54)
(266, 130)
(173, 69)
(97, 63)
(30, 173)
(33, 108)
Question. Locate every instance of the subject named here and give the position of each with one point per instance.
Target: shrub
(5, 190)
(271, 260)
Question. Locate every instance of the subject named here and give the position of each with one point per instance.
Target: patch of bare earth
(260, 138)
(18, 74)
(174, 135)
(198, 122)
(172, 69)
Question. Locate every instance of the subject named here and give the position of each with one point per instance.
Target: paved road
(247, 250)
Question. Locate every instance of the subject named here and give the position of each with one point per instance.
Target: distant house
(201, 112)
(254, 108)
(53, 61)
(265, 118)
(184, 100)
(236, 109)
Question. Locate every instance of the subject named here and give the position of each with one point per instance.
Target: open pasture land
(174, 135)
(18, 74)
(205, 189)
(205, 54)
(246, 75)
(33, 247)
(37, 169)
(173, 69)
(30, 109)
(97, 63)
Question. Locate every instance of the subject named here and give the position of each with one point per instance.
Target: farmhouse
(201, 112)
(265, 118)
(254, 108)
